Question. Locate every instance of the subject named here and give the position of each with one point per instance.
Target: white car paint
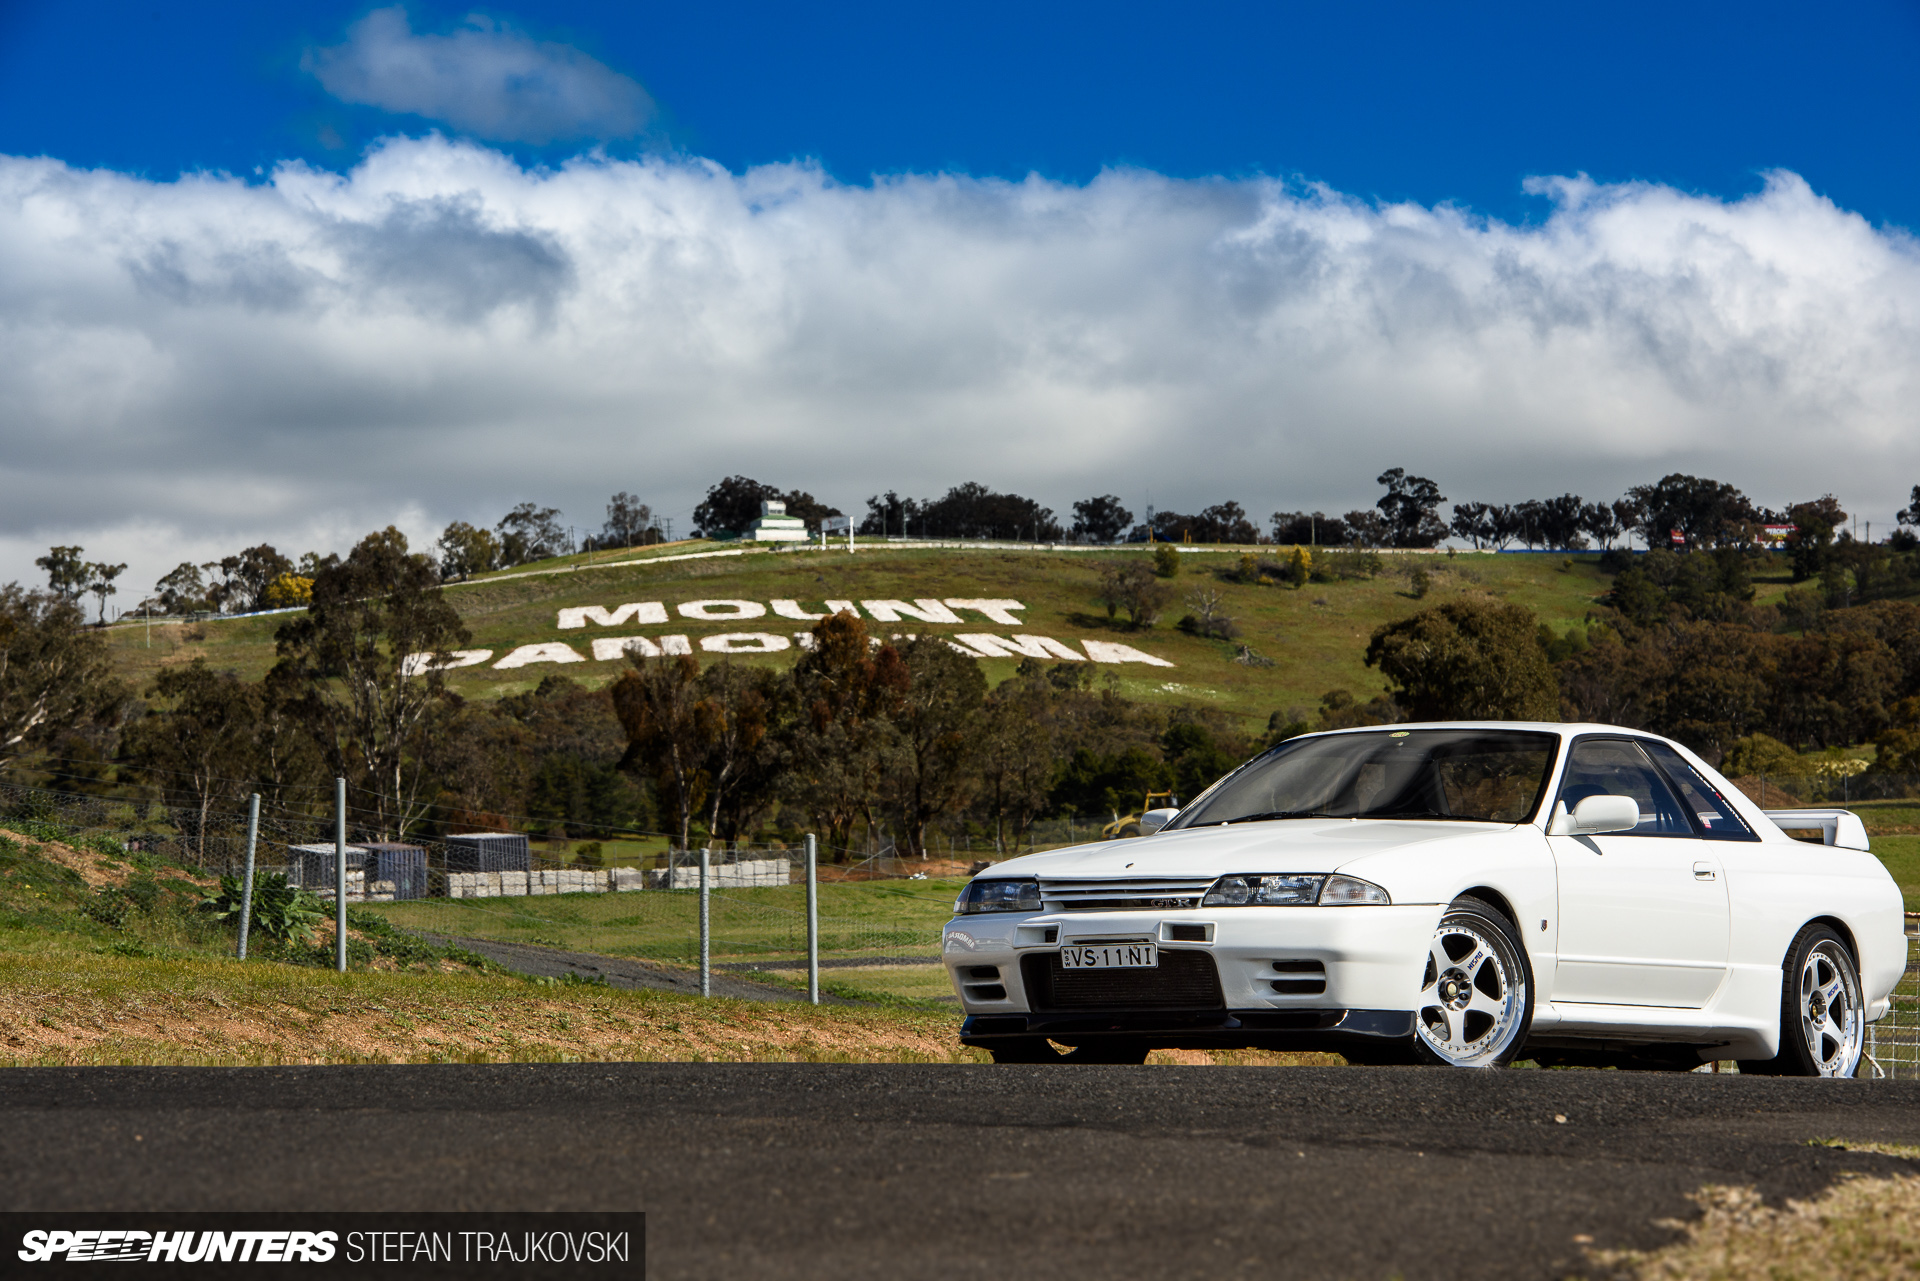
(1631, 938)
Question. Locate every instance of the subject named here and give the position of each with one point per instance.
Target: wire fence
(501, 887)
(1893, 1043)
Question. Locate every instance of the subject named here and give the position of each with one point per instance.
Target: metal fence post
(813, 920)
(246, 885)
(706, 960)
(340, 874)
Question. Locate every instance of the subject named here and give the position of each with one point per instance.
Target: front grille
(1125, 893)
(1184, 980)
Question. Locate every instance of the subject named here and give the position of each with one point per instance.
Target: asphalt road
(965, 1171)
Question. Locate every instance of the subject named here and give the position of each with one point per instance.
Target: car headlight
(1289, 889)
(998, 896)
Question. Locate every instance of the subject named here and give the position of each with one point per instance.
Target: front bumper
(1287, 977)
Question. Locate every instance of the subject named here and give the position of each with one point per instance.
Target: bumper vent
(1304, 978)
(1183, 981)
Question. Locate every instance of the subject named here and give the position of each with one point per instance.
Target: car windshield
(1465, 775)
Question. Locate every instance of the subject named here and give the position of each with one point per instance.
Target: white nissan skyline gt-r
(1462, 893)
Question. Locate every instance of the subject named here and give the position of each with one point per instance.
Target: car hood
(1281, 845)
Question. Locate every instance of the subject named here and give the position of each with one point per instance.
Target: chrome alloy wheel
(1473, 998)
(1831, 1019)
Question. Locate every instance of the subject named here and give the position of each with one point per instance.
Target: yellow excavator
(1130, 825)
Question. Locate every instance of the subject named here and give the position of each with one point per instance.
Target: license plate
(1110, 956)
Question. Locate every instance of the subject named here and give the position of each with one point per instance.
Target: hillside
(1315, 635)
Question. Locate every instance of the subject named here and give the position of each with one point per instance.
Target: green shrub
(1166, 561)
(281, 913)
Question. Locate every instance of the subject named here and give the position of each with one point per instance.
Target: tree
(181, 590)
(1708, 513)
(1467, 660)
(359, 698)
(1910, 514)
(1560, 521)
(55, 675)
(197, 752)
(1473, 522)
(1100, 520)
(657, 703)
(841, 744)
(466, 551)
(1368, 529)
(1411, 509)
(1131, 585)
(934, 772)
(889, 514)
(1602, 520)
(734, 504)
(244, 579)
(66, 571)
(971, 510)
(1016, 744)
(628, 520)
(100, 583)
(733, 715)
(1197, 757)
(1810, 546)
(1311, 529)
(530, 532)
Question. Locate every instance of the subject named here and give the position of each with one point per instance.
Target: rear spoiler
(1836, 827)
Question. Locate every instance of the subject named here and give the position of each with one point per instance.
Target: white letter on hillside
(550, 652)
(641, 612)
(843, 607)
(927, 611)
(791, 609)
(608, 648)
(1025, 646)
(995, 610)
(704, 610)
(1113, 652)
(415, 664)
(745, 643)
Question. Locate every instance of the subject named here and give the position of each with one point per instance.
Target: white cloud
(484, 78)
(204, 364)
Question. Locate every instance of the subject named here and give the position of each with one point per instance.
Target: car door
(1643, 913)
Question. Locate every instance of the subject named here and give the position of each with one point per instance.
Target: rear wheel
(1823, 1027)
(1476, 997)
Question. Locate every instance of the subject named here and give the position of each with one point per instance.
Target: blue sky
(290, 272)
(1392, 101)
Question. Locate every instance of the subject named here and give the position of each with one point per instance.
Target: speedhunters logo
(362, 1245)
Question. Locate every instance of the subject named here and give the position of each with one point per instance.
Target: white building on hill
(775, 526)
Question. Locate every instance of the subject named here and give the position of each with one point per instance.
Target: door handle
(1704, 872)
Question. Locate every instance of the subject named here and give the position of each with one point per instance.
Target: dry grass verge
(58, 1008)
(1861, 1229)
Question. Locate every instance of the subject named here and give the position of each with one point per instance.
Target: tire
(1823, 1029)
(1476, 996)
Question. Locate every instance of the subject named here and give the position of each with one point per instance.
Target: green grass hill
(1315, 635)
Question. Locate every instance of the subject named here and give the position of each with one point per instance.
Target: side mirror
(1153, 820)
(1597, 814)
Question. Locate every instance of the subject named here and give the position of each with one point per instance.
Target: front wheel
(1476, 997)
(1823, 1027)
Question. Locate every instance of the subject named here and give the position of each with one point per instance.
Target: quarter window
(1718, 821)
(1616, 767)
